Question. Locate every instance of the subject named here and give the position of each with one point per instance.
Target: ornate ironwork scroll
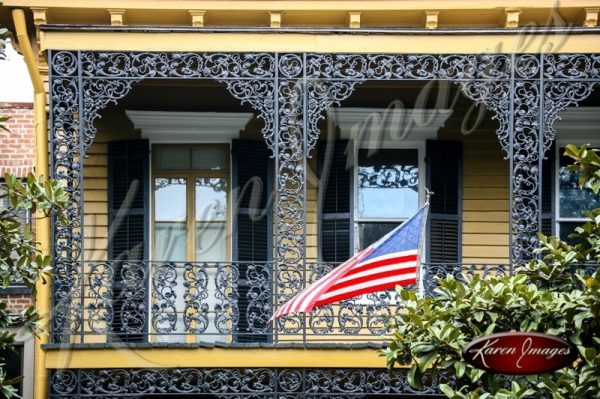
(66, 162)
(290, 177)
(100, 310)
(234, 382)
(568, 80)
(290, 93)
(195, 315)
(82, 84)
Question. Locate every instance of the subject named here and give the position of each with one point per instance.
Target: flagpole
(420, 285)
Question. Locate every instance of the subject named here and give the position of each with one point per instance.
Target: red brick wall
(17, 147)
(17, 302)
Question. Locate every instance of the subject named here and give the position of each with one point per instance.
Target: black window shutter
(335, 201)
(547, 192)
(128, 218)
(444, 178)
(253, 236)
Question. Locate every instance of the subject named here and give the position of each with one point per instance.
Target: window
(13, 360)
(572, 201)
(190, 184)
(363, 198)
(387, 191)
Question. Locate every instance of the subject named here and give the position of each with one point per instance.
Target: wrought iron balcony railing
(219, 303)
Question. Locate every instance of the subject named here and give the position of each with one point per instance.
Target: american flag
(392, 260)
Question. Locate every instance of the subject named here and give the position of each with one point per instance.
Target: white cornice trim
(371, 125)
(181, 126)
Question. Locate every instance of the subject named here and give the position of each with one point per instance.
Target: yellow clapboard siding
(311, 217)
(485, 205)
(485, 216)
(485, 239)
(485, 251)
(95, 195)
(95, 160)
(312, 228)
(489, 166)
(485, 181)
(482, 193)
(96, 231)
(96, 254)
(97, 148)
(485, 227)
(97, 243)
(486, 261)
(95, 219)
(96, 207)
(95, 171)
(95, 184)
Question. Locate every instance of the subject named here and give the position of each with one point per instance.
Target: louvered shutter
(334, 201)
(252, 238)
(128, 218)
(444, 172)
(547, 190)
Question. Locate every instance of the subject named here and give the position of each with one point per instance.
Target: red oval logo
(520, 353)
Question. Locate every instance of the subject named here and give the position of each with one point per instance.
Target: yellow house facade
(221, 155)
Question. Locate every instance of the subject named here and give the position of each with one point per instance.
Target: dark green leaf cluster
(20, 257)
(557, 293)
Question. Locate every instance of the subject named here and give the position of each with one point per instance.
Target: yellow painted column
(42, 228)
(42, 233)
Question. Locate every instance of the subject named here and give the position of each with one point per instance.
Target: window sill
(15, 290)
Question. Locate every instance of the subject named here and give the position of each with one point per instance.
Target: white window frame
(400, 145)
(230, 200)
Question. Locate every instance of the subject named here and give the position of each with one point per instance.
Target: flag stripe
(303, 299)
(383, 285)
(329, 280)
(373, 281)
(397, 257)
(408, 268)
(394, 265)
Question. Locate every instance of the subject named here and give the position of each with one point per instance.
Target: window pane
(572, 200)
(211, 242)
(211, 199)
(212, 158)
(172, 158)
(170, 241)
(169, 200)
(566, 229)
(388, 184)
(368, 233)
(13, 365)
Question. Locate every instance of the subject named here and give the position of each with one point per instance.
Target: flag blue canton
(403, 238)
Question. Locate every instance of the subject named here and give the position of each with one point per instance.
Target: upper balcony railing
(222, 303)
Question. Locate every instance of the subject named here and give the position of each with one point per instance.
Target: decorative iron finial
(428, 195)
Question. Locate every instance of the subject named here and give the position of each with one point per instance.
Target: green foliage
(19, 256)
(550, 294)
(18, 252)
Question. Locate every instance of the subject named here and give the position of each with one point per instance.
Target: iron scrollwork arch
(82, 84)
